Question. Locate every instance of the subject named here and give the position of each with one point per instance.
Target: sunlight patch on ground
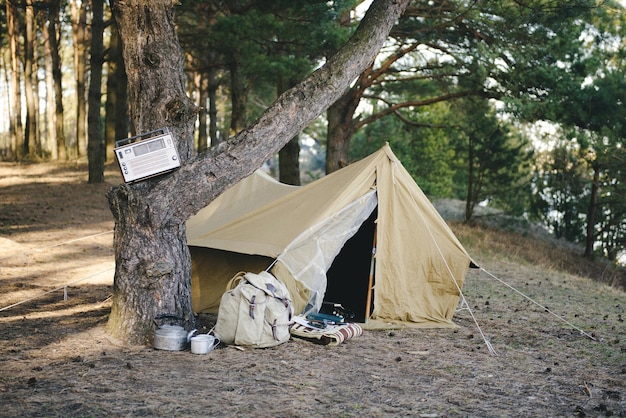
(58, 313)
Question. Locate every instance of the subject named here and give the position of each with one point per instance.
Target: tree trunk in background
(203, 96)
(57, 80)
(289, 155)
(50, 132)
(15, 125)
(96, 149)
(339, 132)
(6, 151)
(590, 235)
(213, 84)
(30, 89)
(153, 266)
(471, 181)
(116, 119)
(238, 98)
(79, 32)
(122, 120)
(289, 162)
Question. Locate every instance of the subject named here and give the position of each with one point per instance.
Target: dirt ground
(56, 359)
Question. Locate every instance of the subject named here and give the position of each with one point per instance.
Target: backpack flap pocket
(252, 307)
(226, 326)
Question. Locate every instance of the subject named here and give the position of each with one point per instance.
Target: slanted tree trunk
(153, 268)
(96, 148)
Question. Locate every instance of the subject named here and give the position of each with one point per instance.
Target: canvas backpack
(256, 311)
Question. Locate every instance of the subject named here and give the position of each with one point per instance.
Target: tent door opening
(348, 276)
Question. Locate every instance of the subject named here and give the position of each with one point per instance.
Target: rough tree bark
(153, 268)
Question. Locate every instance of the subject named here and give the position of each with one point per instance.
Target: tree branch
(204, 177)
(393, 108)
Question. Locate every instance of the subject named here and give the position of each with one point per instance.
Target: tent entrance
(348, 276)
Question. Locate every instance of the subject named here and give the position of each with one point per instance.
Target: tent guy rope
(35, 250)
(488, 344)
(586, 334)
(64, 287)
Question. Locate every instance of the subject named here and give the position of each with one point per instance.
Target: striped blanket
(331, 335)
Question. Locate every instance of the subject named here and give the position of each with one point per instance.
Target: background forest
(515, 105)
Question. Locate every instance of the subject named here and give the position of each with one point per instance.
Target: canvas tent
(318, 240)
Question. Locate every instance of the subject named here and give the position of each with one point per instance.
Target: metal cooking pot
(171, 337)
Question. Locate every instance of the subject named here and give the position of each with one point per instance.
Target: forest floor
(56, 358)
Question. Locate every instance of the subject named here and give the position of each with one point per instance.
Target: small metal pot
(171, 337)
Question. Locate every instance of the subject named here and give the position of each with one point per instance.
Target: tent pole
(370, 284)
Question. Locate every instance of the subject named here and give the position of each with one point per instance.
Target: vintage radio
(147, 155)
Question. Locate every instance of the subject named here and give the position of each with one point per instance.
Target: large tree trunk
(152, 275)
(153, 269)
(95, 145)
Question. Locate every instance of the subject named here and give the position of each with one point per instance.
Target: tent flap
(309, 256)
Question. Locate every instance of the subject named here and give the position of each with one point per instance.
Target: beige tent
(318, 239)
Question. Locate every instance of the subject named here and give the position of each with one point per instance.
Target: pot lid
(171, 331)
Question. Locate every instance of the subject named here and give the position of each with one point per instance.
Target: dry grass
(538, 249)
